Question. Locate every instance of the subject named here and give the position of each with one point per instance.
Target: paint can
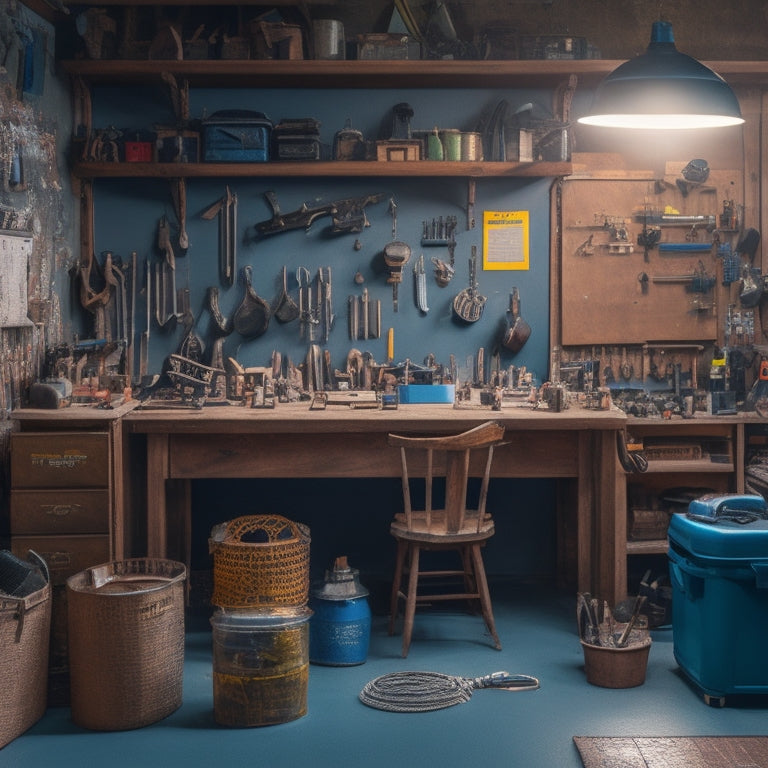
(328, 37)
(340, 627)
(451, 138)
(471, 147)
(260, 665)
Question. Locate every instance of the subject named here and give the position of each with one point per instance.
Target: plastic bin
(719, 575)
(260, 665)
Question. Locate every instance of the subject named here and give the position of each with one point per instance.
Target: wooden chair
(451, 527)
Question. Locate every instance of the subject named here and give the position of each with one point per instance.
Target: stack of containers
(260, 625)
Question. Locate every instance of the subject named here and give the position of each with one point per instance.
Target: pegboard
(613, 291)
(14, 255)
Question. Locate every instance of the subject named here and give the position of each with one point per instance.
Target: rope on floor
(425, 691)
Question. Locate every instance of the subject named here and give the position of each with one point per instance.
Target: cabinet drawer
(59, 459)
(53, 512)
(65, 555)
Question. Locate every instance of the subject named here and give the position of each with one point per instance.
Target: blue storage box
(236, 136)
(718, 561)
(426, 393)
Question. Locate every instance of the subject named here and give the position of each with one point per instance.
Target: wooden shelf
(652, 547)
(697, 465)
(425, 169)
(258, 73)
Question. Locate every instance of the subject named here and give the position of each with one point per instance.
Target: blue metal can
(340, 626)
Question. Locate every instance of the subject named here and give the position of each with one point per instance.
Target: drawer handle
(61, 510)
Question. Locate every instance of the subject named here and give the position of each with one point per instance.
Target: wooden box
(60, 460)
(398, 150)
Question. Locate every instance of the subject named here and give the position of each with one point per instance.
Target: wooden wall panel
(603, 299)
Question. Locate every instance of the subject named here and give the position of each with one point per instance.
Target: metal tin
(471, 146)
(340, 627)
(451, 138)
(328, 38)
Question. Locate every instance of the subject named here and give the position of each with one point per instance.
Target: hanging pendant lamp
(663, 89)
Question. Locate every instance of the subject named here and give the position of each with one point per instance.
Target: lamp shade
(663, 89)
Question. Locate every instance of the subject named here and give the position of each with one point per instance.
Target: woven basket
(24, 636)
(616, 667)
(126, 643)
(260, 561)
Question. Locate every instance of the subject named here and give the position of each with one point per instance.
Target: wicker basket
(24, 636)
(260, 561)
(126, 643)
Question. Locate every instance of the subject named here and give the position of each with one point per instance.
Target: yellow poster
(505, 240)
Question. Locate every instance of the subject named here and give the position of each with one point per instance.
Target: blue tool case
(718, 562)
(236, 136)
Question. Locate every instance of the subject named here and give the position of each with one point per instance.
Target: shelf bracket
(471, 189)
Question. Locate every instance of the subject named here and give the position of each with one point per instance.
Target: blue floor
(523, 729)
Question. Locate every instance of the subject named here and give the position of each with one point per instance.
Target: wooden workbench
(291, 441)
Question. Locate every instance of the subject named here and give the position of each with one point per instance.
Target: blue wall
(127, 212)
(350, 516)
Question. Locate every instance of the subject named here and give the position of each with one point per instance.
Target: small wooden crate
(399, 150)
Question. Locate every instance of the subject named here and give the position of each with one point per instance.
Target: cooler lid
(723, 539)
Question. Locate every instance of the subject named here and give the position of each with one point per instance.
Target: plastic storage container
(719, 575)
(260, 665)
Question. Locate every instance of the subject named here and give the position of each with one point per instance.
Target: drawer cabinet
(61, 507)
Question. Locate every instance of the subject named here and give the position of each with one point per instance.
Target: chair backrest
(447, 456)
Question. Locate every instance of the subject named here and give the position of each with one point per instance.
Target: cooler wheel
(714, 701)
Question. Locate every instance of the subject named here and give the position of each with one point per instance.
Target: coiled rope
(425, 691)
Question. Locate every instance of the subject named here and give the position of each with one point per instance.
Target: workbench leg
(158, 469)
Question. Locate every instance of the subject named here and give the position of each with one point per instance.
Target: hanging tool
(286, 309)
(166, 306)
(225, 209)
(223, 325)
(697, 282)
(179, 195)
(252, 316)
(420, 285)
(468, 305)
(518, 329)
(396, 255)
(144, 344)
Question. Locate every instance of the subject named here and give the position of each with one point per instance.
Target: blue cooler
(718, 562)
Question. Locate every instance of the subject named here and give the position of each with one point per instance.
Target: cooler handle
(761, 575)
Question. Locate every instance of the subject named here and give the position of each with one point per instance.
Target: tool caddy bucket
(25, 623)
(126, 643)
(260, 561)
(718, 562)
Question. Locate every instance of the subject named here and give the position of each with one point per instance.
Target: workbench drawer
(82, 510)
(60, 460)
(65, 555)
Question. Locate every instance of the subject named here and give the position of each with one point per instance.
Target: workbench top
(299, 418)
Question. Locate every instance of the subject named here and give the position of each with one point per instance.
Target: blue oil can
(340, 627)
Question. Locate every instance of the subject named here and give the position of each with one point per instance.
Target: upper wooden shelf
(265, 73)
(424, 168)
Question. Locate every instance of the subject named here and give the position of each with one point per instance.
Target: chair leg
(470, 582)
(485, 595)
(402, 548)
(410, 600)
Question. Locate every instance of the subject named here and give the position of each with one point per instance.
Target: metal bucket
(340, 627)
(260, 666)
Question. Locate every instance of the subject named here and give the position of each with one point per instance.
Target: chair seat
(435, 532)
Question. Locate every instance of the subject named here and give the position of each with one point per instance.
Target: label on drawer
(60, 511)
(59, 460)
